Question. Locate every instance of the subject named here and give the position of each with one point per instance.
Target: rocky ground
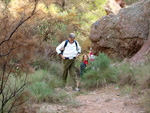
(106, 100)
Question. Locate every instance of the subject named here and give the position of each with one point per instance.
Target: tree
(15, 54)
(74, 16)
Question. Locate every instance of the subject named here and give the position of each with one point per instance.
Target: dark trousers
(69, 66)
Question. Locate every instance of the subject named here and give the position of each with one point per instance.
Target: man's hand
(77, 56)
(62, 57)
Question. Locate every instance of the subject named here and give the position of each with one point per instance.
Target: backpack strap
(76, 43)
(66, 42)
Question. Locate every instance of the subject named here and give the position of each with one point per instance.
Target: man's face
(71, 40)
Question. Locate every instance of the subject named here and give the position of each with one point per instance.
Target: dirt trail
(105, 100)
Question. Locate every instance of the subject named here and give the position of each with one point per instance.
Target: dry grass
(140, 78)
(145, 101)
(144, 82)
(127, 79)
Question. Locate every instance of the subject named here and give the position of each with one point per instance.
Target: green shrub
(101, 62)
(54, 67)
(40, 90)
(132, 75)
(43, 84)
(143, 76)
(99, 72)
(44, 93)
(126, 74)
(52, 80)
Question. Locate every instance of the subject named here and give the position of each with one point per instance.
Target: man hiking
(69, 50)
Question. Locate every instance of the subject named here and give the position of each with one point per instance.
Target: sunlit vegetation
(29, 32)
(30, 70)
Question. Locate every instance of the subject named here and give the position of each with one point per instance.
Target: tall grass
(42, 85)
(126, 74)
(134, 75)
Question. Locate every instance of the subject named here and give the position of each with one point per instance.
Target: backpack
(66, 42)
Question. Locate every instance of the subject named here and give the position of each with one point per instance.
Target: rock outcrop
(112, 7)
(124, 34)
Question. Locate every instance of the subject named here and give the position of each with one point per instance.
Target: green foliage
(92, 11)
(127, 74)
(40, 90)
(132, 75)
(99, 72)
(44, 93)
(52, 80)
(54, 67)
(6, 2)
(101, 62)
(58, 27)
(50, 30)
(43, 86)
(77, 17)
(13, 83)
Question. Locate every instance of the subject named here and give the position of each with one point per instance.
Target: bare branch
(2, 78)
(13, 94)
(8, 76)
(1, 55)
(8, 94)
(20, 23)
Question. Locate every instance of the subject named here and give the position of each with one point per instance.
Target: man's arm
(59, 48)
(78, 50)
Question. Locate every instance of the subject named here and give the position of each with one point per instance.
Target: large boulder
(124, 34)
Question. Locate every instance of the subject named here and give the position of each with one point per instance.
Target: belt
(70, 58)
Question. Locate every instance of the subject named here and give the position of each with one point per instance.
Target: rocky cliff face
(122, 35)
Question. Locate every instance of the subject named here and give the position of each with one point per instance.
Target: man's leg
(72, 73)
(66, 65)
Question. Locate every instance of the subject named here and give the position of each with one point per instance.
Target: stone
(121, 3)
(112, 7)
(122, 35)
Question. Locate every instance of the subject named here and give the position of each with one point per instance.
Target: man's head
(71, 37)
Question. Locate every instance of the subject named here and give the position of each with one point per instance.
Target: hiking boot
(76, 89)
